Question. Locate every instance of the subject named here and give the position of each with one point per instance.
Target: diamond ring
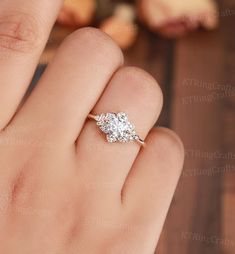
(117, 127)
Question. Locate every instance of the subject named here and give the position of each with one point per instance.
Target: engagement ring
(117, 127)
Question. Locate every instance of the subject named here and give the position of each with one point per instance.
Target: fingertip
(93, 38)
(167, 145)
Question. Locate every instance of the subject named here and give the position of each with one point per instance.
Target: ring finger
(106, 165)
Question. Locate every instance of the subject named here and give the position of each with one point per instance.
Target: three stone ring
(117, 127)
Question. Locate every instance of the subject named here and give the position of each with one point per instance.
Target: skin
(63, 188)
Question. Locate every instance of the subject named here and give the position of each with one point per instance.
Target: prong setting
(117, 127)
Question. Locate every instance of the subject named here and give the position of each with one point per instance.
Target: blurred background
(189, 47)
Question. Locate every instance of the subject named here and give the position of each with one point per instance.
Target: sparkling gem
(117, 127)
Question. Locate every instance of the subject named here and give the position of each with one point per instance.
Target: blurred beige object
(77, 13)
(174, 18)
(121, 26)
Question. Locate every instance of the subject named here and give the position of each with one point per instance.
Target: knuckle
(96, 42)
(143, 85)
(20, 191)
(19, 32)
(168, 145)
(21, 180)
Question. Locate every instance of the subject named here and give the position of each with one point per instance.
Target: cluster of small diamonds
(117, 127)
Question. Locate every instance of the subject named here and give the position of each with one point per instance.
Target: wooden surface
(197, 76)
(201, 218)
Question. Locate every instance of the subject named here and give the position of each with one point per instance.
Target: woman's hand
(63, 188)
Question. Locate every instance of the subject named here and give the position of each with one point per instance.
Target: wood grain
(228, 120)
(201, 218)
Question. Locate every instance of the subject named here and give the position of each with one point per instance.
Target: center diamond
(117, 127)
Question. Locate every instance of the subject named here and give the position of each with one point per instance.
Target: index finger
(24, 29)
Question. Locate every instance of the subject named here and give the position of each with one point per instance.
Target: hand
(63, 188)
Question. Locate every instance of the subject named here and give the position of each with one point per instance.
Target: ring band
(117, 127)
